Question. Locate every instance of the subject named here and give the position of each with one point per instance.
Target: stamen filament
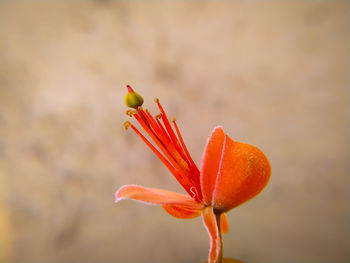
(193, 167)
(179, 156)
(166, 146)
(168, 126)
(181, 178)
(154, 149)
(162, 127)
(159, 144)
(140, 112)
(171, 148)
(194, 172)
(156, 127)
(194, 191)
(184, 146)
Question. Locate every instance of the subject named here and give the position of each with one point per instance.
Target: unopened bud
(133, 99)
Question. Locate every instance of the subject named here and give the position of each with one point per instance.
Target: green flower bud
(133, 99)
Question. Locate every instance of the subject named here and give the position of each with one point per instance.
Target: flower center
(172, 149)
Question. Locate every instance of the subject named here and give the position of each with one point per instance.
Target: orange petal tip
(155, 196)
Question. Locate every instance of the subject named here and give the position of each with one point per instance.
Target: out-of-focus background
(274, 74)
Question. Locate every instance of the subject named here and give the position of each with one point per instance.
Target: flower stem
(219, 241)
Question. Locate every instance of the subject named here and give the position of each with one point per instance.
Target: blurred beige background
(274, 74)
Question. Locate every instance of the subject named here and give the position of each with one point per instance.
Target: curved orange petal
(155, 196)
(181, 211)
(210, 223)
(210, 163)
(244, 172)
(224, 226)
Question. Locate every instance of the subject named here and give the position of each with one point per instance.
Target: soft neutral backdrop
(274, 74)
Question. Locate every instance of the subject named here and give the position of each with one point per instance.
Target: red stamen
(173, 137)
(184, 146)
(157, 130)
(168, 126)
(159, 144)
(181, 178)
(178, 156)
(163, 130)
(195, 171)
(172, 150)
(183, 157)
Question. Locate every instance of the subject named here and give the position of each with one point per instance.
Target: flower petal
(155, 196)
(244, 172)
(210, 223)
(224, 226)
(211, 162)
(182, 212)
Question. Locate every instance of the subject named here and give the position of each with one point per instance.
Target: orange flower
(230, 174)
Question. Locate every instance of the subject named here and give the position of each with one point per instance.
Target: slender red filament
(189, 158)
(174, 171)
(167, 125)
(175, 154)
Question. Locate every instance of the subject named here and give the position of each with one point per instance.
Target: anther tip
(127, 124)
(130, 112)
(156, 100)
(174, 119)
